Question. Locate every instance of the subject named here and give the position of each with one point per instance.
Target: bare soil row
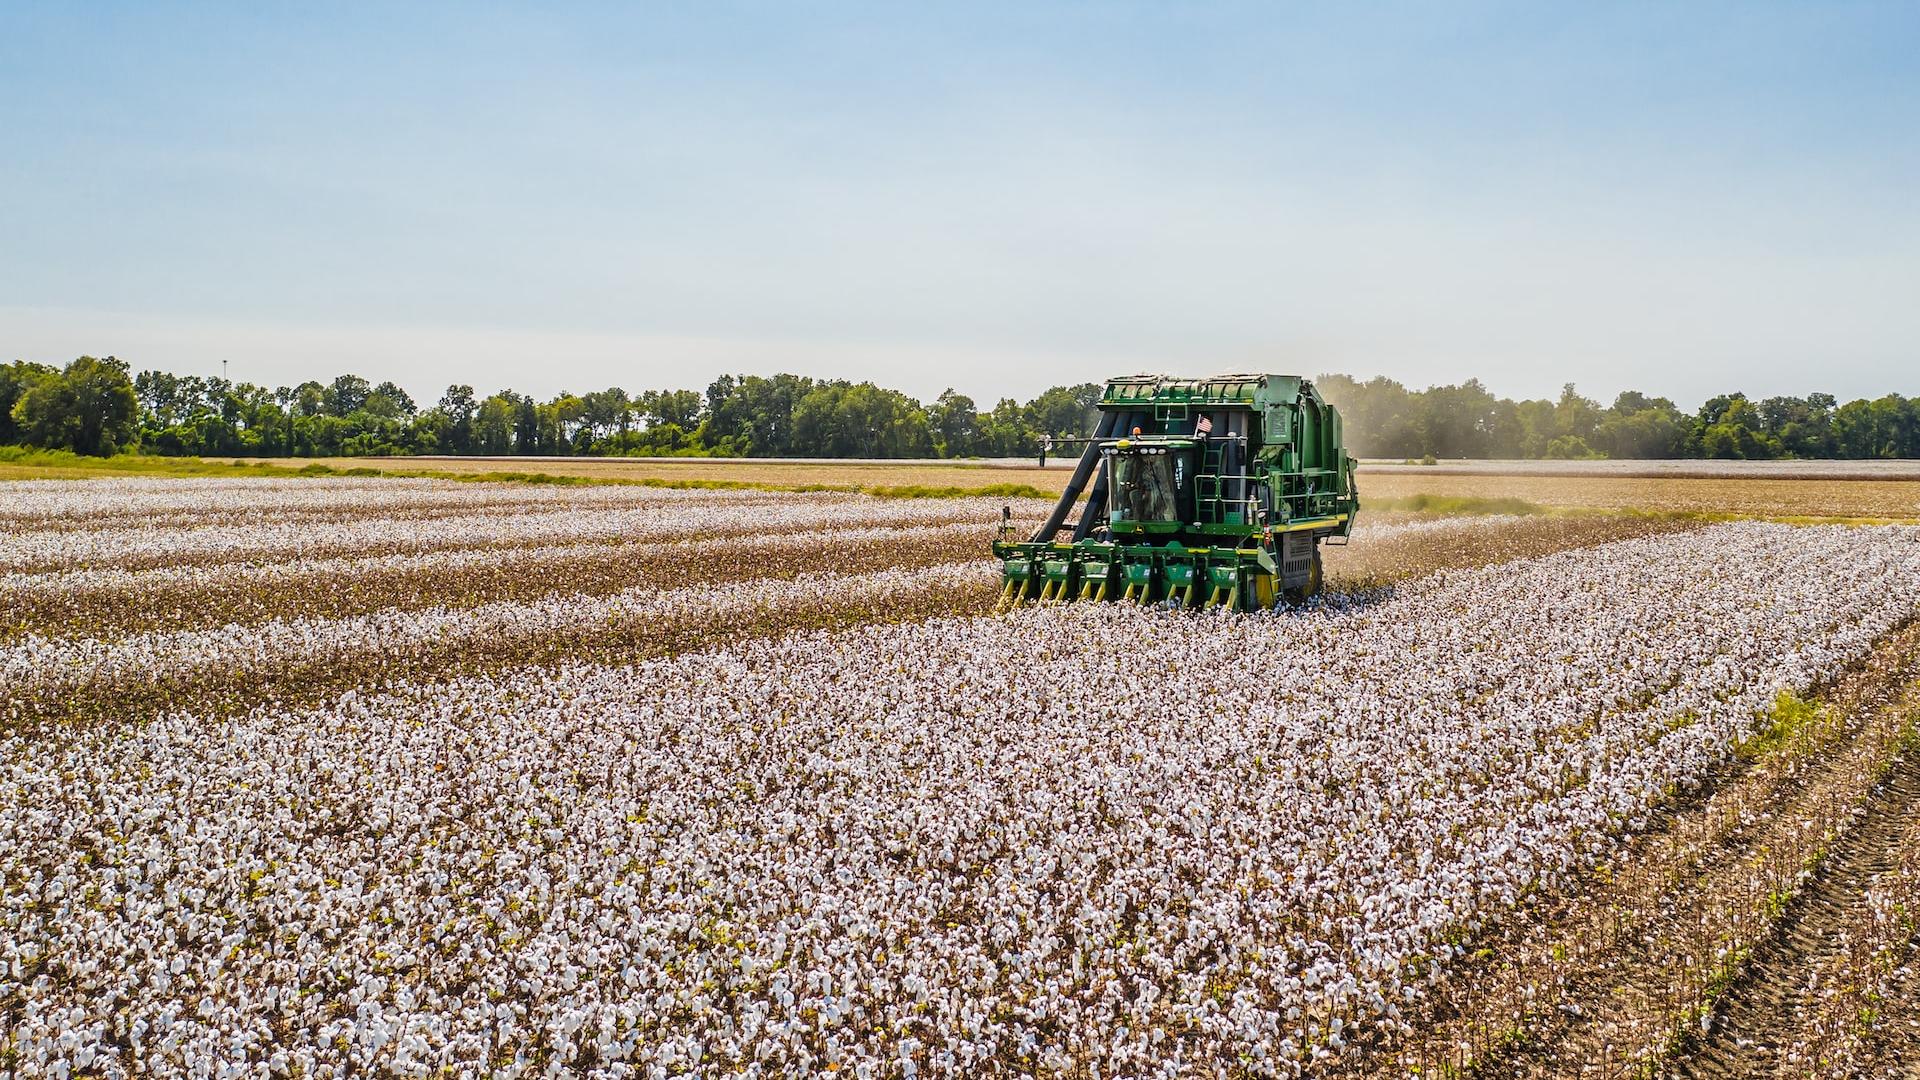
(1692, 951)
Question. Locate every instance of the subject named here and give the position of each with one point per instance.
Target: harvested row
(1858, 498)
(112, 584)
(1748, 1028)
(107, 603)
(1609, 974)
(95, 504)
(943, 847)
(1383, 554)
(1863, 1000)
(87, 679)
(671, 515)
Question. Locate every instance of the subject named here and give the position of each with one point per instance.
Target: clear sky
(1682, 198)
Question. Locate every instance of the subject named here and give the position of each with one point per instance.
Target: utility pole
(223, 371)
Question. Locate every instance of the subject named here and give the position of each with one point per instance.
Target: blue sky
(1679, 198)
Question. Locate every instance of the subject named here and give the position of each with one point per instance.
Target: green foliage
(88, 408)
(20, 462)
(84, 408)
(1385, 419)
(15, 380)
(1790, 718)
(1569, 448)
(1455, 505)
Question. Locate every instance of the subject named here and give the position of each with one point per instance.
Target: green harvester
(1205, 492)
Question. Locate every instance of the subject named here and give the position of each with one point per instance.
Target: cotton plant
(136, 543)
(1086, 839)
(84, 503)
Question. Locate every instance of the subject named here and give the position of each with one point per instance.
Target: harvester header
(1203, 491)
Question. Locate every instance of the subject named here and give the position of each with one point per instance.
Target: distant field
(1865, 499)
(1873, 490)
(858, 473)
(1894, 469)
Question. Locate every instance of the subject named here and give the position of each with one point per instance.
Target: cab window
(1142, 487)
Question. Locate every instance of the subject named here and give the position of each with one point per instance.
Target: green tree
(1733, 430)
(1381, 416)
(458, 406)
(493, 424)
(604, 416)
(681, 408)
(755, 414)
(1641, 427)
(1064, 411)
(1457, 421)
(88, 408)
(347, 394)
(1882, 428)
(526, 424)
(955, 421)
(388, 400)
(15, 380)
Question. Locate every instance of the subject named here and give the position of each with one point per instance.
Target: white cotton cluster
(35, 667)
(69, 504)
(668, 515)
(1094, 840)
(62, 501)
(186, 579)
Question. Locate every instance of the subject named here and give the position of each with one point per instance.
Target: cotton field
(334, 777)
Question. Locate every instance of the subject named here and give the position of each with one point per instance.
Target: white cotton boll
(724, 859)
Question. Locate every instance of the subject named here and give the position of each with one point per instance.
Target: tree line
(98, 406)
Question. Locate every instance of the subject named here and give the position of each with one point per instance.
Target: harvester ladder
(1211, 504)
(1210, 487)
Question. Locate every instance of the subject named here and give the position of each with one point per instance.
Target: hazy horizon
(998, 199)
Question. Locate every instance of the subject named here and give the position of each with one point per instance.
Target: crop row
(1613, 973)
(1083, 839)
(90, 679)
(704, 514)
(93, 504)
(1865, 995)
(107, 603)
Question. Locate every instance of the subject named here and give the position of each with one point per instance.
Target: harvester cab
(1196, 492)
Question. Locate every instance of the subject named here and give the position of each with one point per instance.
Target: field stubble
(1628, 969)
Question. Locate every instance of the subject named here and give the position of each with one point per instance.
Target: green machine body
(1193, 492)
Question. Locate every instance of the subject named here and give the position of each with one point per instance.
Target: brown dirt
(1471, 542)
(833, 473)
(1870, 499)
(1757, 1017)
(1876, 499)
(586, 569)
(1595, 979)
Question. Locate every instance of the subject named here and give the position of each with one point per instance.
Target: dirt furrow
(1607, 978)
(1757, 1017)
